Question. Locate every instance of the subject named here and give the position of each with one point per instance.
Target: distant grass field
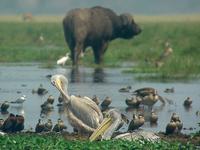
(19, 42)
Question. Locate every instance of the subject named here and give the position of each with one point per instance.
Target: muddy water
(16, 81)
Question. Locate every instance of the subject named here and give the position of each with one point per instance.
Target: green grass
(19, 42)
(57, 142)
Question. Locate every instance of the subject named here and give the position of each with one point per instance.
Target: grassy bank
(34, 141)
(19, 42)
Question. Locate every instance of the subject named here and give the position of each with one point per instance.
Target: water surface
(88, 82)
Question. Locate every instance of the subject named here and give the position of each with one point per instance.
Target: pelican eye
(53, 82)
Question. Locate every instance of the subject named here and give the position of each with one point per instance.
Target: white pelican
(63, 60)
(82, 112)
(111, 123)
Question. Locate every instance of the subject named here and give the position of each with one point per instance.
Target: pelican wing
(85, 110)
(94, 106)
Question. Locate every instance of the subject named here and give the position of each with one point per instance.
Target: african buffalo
(95, 27)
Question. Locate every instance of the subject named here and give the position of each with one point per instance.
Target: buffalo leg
(99, 52)
(76, 52)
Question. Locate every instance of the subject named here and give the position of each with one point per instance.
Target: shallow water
(89, 82)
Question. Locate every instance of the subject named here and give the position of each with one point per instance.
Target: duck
(136, 122)
(40, 90)
(60, 101)
(19, 126)
(48, 125)
(179, 125)
(9, 123)
(96, 99)
(171, 127)
(4, 107)
(46, 106)
(50, 99)
(133, 102)
(187, 102)
(153, 117)
(1, 123)
(59, 127)
(144, 91)
(149, 96)
(174, 117)
(125, 89)
(20, 100)
(39, 126)
(106, 102)
(169, 90)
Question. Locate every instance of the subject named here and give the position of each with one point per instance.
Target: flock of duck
(87, 116)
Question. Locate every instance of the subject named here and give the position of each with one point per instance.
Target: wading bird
(82, 112)
(63, 60)
(111, 122)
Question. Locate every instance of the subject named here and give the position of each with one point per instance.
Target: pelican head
(110, 123)
(61, 83)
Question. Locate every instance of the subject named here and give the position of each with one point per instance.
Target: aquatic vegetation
(57, 142)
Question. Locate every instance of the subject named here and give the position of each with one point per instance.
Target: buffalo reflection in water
(76, 76)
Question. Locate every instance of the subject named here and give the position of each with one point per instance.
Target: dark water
(89, 82)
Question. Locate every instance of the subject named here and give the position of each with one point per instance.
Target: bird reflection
(18, 109)
(98, 75)
(45, 113)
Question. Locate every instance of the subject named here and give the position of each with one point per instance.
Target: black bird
(4, 107)
(9, 123)
(40, 90)
(106, 102)
(187, 102)
(19, 126)
(50, 99)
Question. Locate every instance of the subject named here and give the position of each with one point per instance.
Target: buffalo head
(128, 27)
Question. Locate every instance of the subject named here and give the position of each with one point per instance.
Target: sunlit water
(89, 82)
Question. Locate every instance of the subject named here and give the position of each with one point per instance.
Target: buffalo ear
(126, 19)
